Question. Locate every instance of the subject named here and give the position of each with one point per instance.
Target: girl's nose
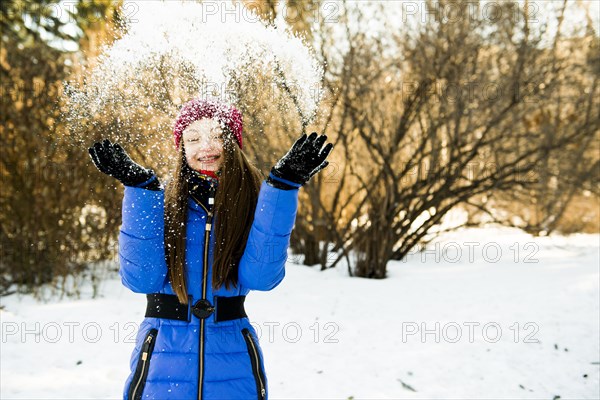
(206, 141)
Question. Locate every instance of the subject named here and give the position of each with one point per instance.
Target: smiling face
(203, 144)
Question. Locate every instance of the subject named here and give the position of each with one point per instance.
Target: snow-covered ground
(515, 318)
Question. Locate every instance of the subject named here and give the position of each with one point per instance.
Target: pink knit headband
(197, 109)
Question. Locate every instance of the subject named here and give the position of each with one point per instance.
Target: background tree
(46, 227)
(440, 119)
(467, 114)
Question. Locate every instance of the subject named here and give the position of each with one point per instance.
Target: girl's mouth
(209, 159)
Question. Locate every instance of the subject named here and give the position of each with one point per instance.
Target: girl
(198, 246)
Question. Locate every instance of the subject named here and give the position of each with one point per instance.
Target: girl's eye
(212, 138)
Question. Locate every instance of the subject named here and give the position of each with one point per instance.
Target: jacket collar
(199, 185)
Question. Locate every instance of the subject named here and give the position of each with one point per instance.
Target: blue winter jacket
(166, 361)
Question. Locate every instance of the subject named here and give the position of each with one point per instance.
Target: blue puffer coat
(170, 355)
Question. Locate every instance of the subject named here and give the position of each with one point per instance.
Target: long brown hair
(235, 203)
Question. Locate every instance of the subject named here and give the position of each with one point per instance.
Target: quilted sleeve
(262, 266)
(143, 267)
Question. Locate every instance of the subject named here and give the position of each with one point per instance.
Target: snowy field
(515, 318)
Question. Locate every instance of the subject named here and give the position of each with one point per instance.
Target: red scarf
(209, 173)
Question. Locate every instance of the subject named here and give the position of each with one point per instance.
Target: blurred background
(477, 119)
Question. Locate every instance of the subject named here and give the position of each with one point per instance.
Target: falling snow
(168, 53)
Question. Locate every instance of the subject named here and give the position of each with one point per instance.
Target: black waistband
(167, 306)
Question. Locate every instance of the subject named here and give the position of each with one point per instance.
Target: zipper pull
(209, 220)
(146, 347)
(211, 203)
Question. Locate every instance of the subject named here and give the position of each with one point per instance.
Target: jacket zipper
(256, 369)
(207, 229)
(142, 368)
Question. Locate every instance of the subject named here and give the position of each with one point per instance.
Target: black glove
(303, 160)
(112, 160)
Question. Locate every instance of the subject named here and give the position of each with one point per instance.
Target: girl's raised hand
(305, 158)
(113, 160)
